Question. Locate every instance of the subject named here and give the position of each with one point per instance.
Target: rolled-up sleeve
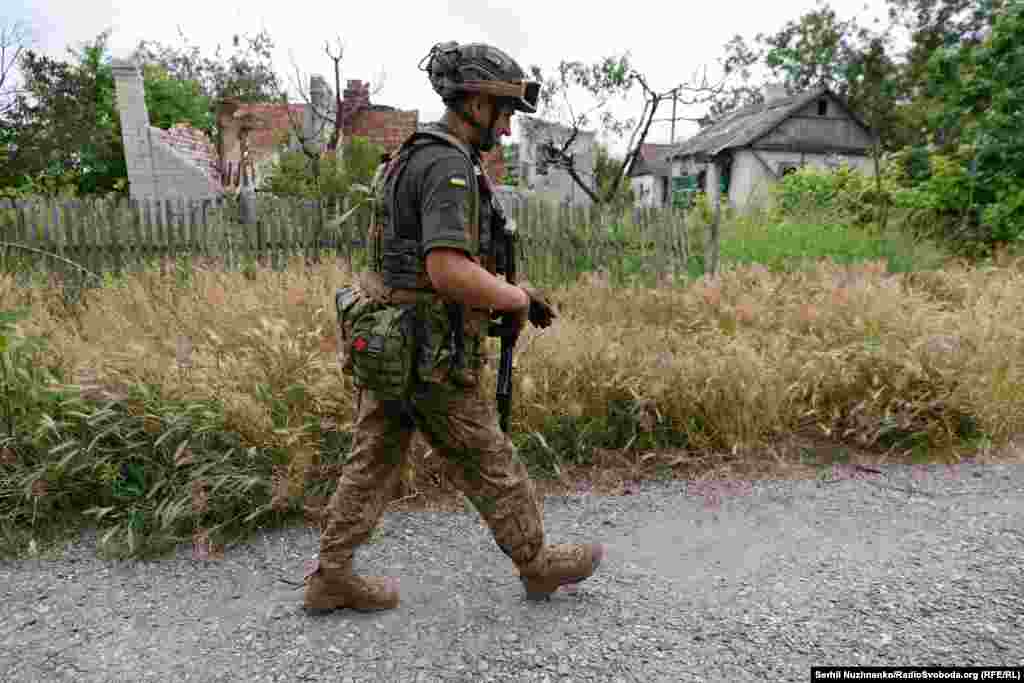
(447, 196)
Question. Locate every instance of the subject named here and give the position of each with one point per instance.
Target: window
(823, 107)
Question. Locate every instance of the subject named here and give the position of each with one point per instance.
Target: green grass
(791, 244)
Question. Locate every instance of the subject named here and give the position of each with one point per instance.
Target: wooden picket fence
(556, 242)
(110, 235)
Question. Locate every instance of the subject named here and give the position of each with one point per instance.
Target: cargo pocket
(383, 351)
(350, 303)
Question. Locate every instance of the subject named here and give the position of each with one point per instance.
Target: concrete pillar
(135, 131)
(313, 119)
(712, 183)
(247, 212)
(318, 94)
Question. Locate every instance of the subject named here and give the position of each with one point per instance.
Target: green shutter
(684, 188)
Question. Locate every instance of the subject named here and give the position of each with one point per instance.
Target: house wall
(557, 186)
(686, 167)
(649, 190)
(750, 180)
(809, 137)
(161, 164)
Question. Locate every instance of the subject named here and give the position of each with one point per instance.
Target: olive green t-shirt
(436, 191)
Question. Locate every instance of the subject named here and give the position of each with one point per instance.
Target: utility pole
(670, 186)
(675, 97)
(675, 101)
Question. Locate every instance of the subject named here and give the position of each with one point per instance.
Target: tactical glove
(542, 310)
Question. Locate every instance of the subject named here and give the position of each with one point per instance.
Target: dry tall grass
(908, 363)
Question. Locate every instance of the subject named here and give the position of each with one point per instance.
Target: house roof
(651, 159)
(744, 126)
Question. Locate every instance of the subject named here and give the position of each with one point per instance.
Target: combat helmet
(456, 70)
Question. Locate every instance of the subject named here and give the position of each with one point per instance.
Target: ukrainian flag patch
(457, 181)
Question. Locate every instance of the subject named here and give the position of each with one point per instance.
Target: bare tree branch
(603, 80)
(319, 116)
(634, 149)
(632, 138)
(339, 114)
(574, 174)
(15, 38)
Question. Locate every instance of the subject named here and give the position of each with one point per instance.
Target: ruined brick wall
(389, 127)
(161, 164)
(192, 144)
(385, 128)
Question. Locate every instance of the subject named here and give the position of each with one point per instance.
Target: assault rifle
(507, 329)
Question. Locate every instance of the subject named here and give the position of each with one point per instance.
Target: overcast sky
(667, 41)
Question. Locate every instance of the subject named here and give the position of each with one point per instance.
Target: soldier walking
(412, 334)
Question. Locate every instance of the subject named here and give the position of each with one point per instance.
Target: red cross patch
(359, 344)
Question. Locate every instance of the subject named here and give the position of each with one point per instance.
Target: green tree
(64, 124)
(172, 100)
(247, 74)
(606, 168)
(740, 89)
(981, 87)
(817, 48)
(939, 24)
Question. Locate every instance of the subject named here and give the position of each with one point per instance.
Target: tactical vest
(397, 252)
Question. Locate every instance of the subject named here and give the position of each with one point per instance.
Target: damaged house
(755, 146)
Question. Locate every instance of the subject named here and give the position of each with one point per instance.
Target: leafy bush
(293, 174)
(845, 193)
(44, 184)
(945, 201)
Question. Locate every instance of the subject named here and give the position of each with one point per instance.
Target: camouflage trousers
(461, 425)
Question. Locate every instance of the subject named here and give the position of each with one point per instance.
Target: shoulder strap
(422, 137)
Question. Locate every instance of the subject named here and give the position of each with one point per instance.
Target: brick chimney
(355, 98)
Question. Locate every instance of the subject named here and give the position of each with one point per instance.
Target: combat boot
(559, 565)
(336, 587)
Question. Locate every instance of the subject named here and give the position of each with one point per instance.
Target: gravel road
(750, 581)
